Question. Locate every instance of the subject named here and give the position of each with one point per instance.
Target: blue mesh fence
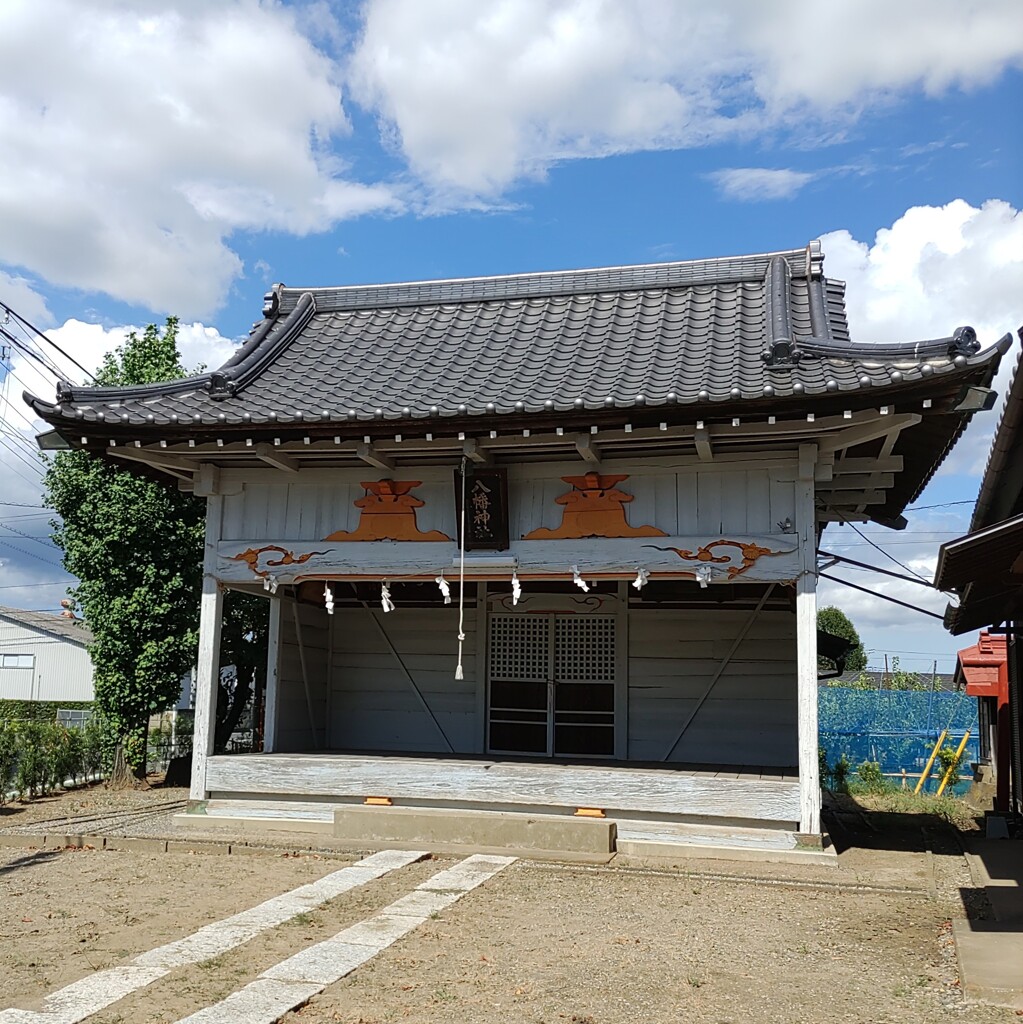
(896, 728)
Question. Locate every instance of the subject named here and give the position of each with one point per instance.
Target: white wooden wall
(297, 729)
(680, 497)
(374, 705)
(750, 716)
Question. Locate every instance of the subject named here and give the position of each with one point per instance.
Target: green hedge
(38, 710)
(38, 757)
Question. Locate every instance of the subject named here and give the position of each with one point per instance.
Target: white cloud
(134, 141)
(935, 269)
(752, 184)
(477, 96)
(25, 563)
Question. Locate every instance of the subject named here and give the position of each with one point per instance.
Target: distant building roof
(46, 622)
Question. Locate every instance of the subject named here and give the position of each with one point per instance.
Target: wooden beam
(857, 482)
(701, 438)
(369, 454)
(891, 464)
(272, 457)
(475, 453)
(882, 426)
(175, 467)
(584, 446)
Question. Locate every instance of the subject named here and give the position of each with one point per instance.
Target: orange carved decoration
(750, 553)
(251, 558)
(593, 508)
(388, 513)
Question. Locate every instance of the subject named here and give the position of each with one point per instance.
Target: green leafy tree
(135, 544)
(243, 643)
(834, 621)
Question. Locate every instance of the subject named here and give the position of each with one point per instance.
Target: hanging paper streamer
(516, 589)
(578, 580)
(385, 597)
(703, 575)
(445, 588)
(328, 598)
(642, 578)
(270, 583)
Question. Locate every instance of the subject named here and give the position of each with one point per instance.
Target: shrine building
(541, 545)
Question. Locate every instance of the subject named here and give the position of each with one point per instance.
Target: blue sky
(326, 143)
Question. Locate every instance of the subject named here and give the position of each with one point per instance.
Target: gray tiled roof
(46, 622)
(753, 329)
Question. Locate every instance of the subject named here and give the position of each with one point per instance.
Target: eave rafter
(848, 484)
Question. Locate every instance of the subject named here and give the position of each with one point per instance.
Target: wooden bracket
(370, 455)
(272, 457)
(584, 446)
(701, 438)
(474, 452)
(378, 801)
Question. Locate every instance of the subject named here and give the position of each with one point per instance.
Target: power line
(26, 586)
(27, 536)
(943, 504)
(884, 597)
(49, 341)
(877, 547)
(31, 554)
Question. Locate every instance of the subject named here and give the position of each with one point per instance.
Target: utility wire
(944, 504)
(49, 341)
(876, 568)
(31, 554)
(884, 597)
(28, 536)
(877, 547)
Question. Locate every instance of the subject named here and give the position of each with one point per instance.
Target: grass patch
(904, 803)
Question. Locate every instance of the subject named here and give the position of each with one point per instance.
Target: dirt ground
(712, 942)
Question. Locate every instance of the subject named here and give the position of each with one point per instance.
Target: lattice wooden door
(552, 684)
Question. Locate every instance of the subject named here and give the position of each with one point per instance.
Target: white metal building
(43, 657)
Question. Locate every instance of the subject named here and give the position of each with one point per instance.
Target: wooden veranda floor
(306, 785)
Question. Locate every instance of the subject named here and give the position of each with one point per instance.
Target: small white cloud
(754, 184)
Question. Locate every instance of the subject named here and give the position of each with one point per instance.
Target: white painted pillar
(806, 645)
(211, 614)
(273, 675)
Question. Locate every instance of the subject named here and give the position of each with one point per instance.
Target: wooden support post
(211, 613)
(273, 646)
(806, 645)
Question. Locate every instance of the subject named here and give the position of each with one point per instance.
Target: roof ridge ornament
(781, 351)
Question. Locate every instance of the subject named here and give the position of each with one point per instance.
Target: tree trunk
(120, 776)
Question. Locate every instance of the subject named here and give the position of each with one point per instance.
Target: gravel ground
(709, 941)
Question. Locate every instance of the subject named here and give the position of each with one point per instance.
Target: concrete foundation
(441, 830)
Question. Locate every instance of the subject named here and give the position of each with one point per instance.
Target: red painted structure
(984, 668)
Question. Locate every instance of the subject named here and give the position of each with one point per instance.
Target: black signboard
(486, 508)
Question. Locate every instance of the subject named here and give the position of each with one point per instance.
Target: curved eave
(126, 410)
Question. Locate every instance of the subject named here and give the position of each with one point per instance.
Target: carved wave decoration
(751, 553)
(251, 557)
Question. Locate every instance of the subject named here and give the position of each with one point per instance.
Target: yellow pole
(959, 751)
(926, 773)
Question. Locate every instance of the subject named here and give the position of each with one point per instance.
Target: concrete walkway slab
(990, 962)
